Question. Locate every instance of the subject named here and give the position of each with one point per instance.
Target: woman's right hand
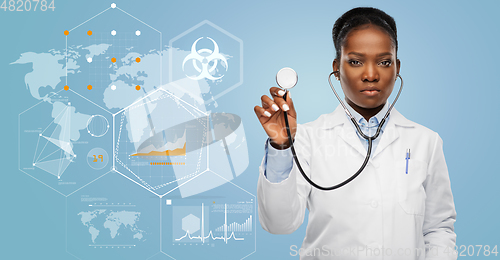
(272, 117)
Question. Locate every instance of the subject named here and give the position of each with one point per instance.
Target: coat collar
(348, 132)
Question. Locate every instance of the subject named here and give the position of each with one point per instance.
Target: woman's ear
(335, 66)
(398, 66)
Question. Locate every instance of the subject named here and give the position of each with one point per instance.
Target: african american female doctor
(397, 208)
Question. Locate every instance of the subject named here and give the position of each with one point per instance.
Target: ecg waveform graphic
(225, 228)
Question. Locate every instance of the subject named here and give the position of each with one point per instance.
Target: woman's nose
(370, 73)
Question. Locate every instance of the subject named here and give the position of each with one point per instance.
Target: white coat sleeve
(277, 163)
(440, 214)
(282, 205)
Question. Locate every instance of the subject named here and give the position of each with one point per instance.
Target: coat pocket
(410, 185)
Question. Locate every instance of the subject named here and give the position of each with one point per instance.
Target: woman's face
(367, 67)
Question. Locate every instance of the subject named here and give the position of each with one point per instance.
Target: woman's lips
(370, 92)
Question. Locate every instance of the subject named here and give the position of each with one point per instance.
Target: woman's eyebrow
(378, 55)
(384, 54)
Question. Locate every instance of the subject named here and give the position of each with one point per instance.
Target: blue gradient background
(449, 52)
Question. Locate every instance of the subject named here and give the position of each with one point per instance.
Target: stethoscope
(287, 78)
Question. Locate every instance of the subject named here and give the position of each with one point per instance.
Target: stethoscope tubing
(368, 138)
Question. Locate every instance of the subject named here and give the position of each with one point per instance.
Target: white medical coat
(385, 213)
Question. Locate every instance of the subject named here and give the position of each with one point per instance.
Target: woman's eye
(386, 63)
(354, 62)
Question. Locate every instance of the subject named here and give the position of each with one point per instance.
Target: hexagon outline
(185, 219)
(19, 142)
(170, 72)
(114, 132)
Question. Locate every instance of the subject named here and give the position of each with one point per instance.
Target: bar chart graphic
(245, 227)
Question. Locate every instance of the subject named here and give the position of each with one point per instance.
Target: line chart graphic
(193, 222)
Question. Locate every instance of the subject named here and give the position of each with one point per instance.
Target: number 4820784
(27, 5)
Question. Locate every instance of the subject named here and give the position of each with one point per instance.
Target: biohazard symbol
(205, 56)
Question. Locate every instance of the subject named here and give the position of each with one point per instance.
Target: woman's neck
(367, 113)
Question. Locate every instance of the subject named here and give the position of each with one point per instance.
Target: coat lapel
(348, 134)
(389, 135)
(347, 131)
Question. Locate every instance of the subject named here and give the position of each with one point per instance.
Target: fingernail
(285, 107)
(289, 94)
(281, 92)
(275, 107)
(267, 114)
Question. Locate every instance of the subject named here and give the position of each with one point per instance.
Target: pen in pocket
(407, 159)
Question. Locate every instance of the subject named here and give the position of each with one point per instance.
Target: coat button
(374, 204)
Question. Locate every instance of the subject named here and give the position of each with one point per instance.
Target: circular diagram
(97, 158)
(97, 125)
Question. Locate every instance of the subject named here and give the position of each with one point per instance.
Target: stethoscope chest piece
(287, 78)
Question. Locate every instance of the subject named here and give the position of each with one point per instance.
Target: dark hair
(361, 16)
